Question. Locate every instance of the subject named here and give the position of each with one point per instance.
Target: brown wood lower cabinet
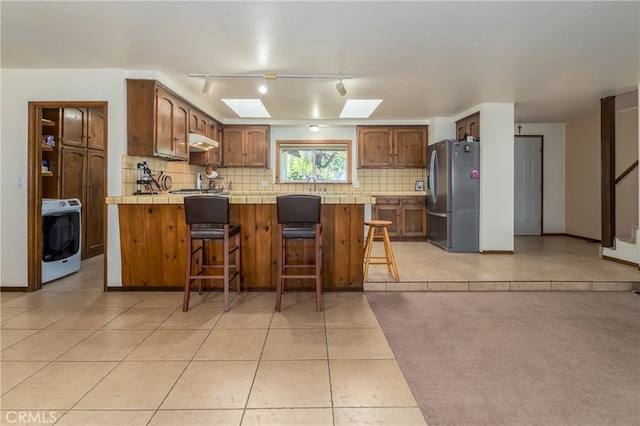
(408, 214)
(153, 246)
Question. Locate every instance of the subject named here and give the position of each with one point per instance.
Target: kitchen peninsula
(153, 237)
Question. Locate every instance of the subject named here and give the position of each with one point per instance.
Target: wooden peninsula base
(153, 246)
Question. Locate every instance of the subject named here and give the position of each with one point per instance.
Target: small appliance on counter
(152, 183)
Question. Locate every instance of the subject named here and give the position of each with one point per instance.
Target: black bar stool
(207, 219)
(299, 219)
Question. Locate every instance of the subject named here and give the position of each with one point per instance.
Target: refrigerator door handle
(437, 214)
(433, 176)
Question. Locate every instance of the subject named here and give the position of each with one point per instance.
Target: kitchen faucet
(312, 187)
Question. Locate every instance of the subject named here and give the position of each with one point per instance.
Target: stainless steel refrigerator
(453, 200)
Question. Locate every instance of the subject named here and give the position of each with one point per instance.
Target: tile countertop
(261, 197)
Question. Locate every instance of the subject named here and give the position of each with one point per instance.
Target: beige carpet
(517, 358)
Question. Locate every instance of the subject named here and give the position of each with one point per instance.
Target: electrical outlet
(263, 183)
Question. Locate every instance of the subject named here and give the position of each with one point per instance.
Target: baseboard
(13, 289)
(496, 252)
(624, 262)
(146, 288)
(587, 239)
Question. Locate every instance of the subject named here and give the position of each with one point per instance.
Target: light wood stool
(388, 257)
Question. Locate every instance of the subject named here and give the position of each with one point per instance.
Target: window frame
(312, 143)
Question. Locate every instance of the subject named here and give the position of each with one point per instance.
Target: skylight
(359, 108)
(248, 108)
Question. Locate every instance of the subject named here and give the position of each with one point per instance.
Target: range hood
(199, 143)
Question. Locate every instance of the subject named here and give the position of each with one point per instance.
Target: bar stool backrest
(298, 209)
(212, 209)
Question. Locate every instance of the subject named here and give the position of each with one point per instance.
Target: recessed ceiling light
(359, 108)
(248, 108)
(314, 128)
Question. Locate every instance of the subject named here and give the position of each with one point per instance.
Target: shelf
(47, 123)
(47, 174)
(46, 148)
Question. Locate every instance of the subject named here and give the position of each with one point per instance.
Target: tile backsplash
(184, 175)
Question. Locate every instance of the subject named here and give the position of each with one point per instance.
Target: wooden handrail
(626, 172)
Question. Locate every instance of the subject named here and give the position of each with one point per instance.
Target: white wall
(20, 86)
(441, 128)
(496, 177)
(553, 193)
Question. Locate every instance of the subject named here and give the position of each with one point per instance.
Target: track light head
(340, 88)
(262, 88)
(207, 88)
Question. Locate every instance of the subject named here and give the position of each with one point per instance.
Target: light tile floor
(538, 263)
(74, 355)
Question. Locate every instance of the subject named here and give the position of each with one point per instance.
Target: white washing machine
(61, 237)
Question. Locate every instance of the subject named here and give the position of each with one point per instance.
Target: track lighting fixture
(262, 88)
(207, 88)
(340, 88)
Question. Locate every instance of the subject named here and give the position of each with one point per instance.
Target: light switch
(20, 182)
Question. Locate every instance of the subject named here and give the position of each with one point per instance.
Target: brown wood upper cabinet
(245, 146)
(468, 126)
(213, 156)
(83, 127)
(157, 121)
(408, 214)
(399, 147)
(198, 122)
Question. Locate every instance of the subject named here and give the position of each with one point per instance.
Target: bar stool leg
(187, 281)
(226, 268)
(238, 260)
(391, 260)
(281, 246)
(318, 261)
(367, 254)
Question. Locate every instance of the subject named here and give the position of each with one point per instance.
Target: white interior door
(528, 185)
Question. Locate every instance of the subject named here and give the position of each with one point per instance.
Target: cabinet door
(164, 123)
(410, 147)
(73, 165)
(461, 129)
(73, 126)
(473, 126)
(233, 148)
(93, 206)
(214, 155)
(374, 147)
(181, 130)
(414, 217)
(95, 128)
(197, 122)
(388, 208)
(256, 147)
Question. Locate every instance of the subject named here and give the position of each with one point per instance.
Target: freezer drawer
(438, 229)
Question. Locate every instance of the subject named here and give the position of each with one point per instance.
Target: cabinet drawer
(415, 201)
(388, 200)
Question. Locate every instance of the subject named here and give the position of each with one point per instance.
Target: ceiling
(425, 59)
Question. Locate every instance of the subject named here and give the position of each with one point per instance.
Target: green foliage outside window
(323, 164)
